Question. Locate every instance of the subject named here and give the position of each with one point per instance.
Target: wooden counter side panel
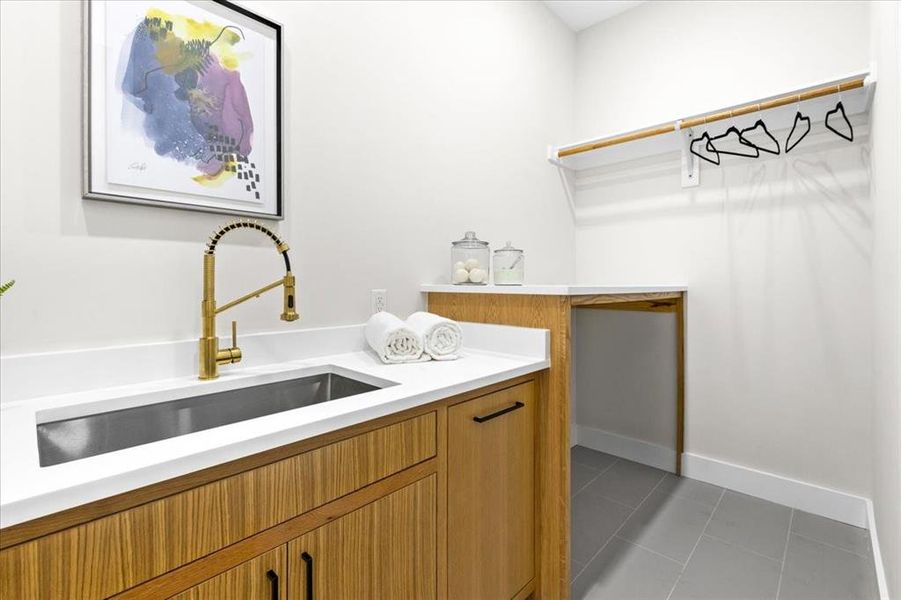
(108, 555)
(663, 298)
(552, 415)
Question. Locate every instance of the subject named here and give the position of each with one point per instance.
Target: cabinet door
(386, 549)
(491, 495)
(261, 578)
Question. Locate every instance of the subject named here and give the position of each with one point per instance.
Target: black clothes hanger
(760, 125)
(788, 141)
(742, 141)
(840, 108)
(707, 146)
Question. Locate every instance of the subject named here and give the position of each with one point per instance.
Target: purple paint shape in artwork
(230, 112)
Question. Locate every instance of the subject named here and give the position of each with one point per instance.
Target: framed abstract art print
(182, 106)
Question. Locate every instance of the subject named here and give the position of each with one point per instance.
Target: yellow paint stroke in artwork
(214, 180)
(225, 173)
(170, 53)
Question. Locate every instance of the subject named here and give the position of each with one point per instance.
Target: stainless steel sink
(75, 438)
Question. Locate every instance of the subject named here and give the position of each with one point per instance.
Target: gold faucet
(210, 354)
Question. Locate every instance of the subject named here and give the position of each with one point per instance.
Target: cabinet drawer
(106, 556)
(491, 494)
(261, 578)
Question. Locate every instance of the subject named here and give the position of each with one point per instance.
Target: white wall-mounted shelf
(778, 112)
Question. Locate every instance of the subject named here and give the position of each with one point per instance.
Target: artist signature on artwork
(138, 166)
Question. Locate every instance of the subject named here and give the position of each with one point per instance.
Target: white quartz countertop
(551, 290)
(491, 354)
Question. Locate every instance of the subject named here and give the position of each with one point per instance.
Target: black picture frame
(90, 191)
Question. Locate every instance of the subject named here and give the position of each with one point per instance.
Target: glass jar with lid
(509, 265)
(469, 260)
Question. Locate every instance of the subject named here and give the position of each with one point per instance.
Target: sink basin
(71, 439)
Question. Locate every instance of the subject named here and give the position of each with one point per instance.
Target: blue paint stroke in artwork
(168, 118)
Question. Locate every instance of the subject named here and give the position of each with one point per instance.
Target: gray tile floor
(639, 533)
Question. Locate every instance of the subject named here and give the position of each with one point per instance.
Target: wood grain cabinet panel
(111, 554)
(491, 495)
(552, 413)
(385, 550)
(262, 578)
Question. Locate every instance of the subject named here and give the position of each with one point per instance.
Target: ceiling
(581, 14)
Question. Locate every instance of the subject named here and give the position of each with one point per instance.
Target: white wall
(625, 373)
(886, 193)
(405, 125)
(776, 253)
(666, 60)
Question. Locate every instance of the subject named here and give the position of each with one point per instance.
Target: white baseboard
(808, 497)
(877, 553)
(632, 449)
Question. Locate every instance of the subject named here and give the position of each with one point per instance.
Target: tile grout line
(618, 529)
(610, 466)
(692, 553)
(630, 542)
(592, 480)
(599, 472)
(585, 485)
(788, 536)
(695, 501)
(816, 541)
(623, 504)
(740, 547)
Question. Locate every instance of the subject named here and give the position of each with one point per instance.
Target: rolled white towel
(393, 340)
(441, 338)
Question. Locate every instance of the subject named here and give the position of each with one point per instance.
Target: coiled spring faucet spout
(210, 354)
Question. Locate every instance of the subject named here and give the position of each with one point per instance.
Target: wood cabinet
(433, 503)
(491, 495)
(123, 549)
(386, 549)
(261, 578)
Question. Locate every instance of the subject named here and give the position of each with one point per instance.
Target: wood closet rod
(712, 118)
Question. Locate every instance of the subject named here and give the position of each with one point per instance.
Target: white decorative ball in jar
(478, 275)
(470, 259)
(461, 276)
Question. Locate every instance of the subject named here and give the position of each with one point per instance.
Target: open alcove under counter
(552, 307)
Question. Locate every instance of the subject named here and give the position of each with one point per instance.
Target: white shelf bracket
(552, 157)
(691, 166)
(565, 178)
(568, 189)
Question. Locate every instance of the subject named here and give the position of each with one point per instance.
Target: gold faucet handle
(230, 355)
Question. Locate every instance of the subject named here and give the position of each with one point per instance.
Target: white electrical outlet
(378, 301)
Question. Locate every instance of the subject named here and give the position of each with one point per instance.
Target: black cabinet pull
(273, 583)
(494, 415)
(306, 558)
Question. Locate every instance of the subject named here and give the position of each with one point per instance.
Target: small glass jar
(509, 265)
(469, 261)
